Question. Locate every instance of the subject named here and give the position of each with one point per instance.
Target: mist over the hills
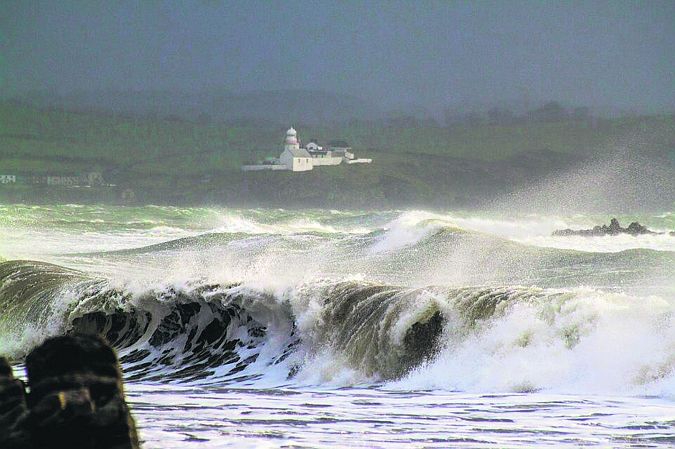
(364, 59)
(255, 108)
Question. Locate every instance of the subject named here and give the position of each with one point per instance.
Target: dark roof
(338, 143)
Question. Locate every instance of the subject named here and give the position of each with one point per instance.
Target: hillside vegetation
(187, 161)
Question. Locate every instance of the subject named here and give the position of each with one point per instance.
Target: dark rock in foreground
(76, 398)
(614, 228)
(13, 409)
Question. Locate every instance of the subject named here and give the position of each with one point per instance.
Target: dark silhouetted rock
(636, 228)
(76, 398)
(13, 409)
(614, 228)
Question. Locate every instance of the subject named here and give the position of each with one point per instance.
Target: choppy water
(275, 328)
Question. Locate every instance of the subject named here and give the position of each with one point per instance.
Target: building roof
(298, 152)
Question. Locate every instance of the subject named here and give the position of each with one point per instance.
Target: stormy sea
(322, 328)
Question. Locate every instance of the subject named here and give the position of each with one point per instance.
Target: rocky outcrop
(13, 409)
(614, 228)
(76, 398)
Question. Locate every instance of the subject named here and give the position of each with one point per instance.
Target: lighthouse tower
(294, 157)
(291, 142)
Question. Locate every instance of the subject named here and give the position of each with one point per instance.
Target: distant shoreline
(157, 161)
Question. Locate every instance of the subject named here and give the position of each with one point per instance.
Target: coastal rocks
(614, 228)
(13, 409)
(76, 398)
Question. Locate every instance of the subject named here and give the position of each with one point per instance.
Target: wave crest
(470, 338)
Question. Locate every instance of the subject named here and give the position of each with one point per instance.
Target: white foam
(408, 229)
(586, 341)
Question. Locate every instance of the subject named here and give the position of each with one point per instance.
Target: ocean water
(319, 328)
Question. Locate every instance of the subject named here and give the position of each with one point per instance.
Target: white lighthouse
(294, 157)
(291, 139)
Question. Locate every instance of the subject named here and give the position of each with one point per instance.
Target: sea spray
(580, 340)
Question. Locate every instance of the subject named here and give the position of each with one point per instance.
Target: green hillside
(176, 160)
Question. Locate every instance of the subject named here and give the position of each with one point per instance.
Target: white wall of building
(299, 159)
(359, 161)
(261, 167)
(326, 161)
(296, 160)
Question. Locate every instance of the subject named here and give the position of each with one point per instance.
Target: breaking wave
(511, 338)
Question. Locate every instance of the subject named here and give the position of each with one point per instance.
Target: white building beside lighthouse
(294, 157)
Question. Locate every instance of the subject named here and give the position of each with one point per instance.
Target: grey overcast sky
(429, 53)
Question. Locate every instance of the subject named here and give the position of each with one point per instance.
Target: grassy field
(203, 160)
